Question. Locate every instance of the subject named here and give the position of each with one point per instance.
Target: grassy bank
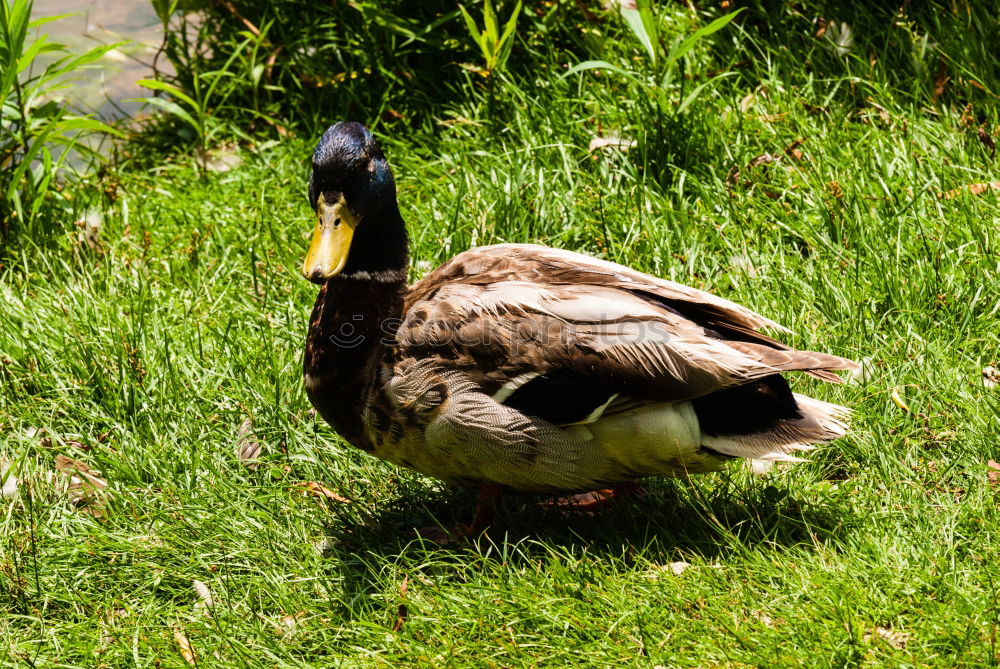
(836, 206)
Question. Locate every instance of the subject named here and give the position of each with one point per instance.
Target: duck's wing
(556, 326)
(555, 267)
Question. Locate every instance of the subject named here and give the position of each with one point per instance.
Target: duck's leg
(598, 500)
(486, 506)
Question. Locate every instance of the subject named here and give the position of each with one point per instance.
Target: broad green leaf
(681, 49)
(662, 99)
(385, 19)
(693, 95)
(434, 25)
(223, 72)
(86, 124)
(42, 184)
(173, 108)
(412, 30)
(42, 20)
(176, 92)
(508, 29)
(635, 23)
(164, 9)
(601, 65)
(14, 19)
(71, 65)
(14, 196)
(470, 23)
(38, 147)
(651, 24)
(506, 40)
(490, 22)
(40, 45)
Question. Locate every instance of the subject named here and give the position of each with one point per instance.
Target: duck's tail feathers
(781, 358)
(784, 440)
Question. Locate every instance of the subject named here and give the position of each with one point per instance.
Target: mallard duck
(531, 369)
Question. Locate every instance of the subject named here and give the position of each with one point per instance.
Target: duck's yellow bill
(331, 241)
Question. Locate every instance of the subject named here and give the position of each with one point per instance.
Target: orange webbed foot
(486, 506)
(597, 500)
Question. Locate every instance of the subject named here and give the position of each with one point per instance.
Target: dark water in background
(106, 88)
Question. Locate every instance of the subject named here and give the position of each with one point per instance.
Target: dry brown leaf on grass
(221, 159)
(674, 568)
(973, 189)
(317, 490)
(247, 447)
(184, 646)
(289, 624)
(612, 141)
(401, 610)
(814, 109)
(894, 638)
(85, 486)
(883, 113)
(821, 25)
(438, 535)
(90, 232)
(792, 150)
(8, 481)
(987, 141)
(993, 475)
(284, 626)
(765, 620)
(763, 159)
(750, 99)
(738, 176)
(941, 80)
(88, 477)
(205, 599)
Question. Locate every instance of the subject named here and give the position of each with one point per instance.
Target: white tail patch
(760, 467)
(820, 422)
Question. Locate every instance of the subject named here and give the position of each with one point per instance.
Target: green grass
(143, 360)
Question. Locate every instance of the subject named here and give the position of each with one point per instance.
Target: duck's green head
(352, 190)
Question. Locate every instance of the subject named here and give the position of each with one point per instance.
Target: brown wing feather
(553, 267)
(497, 312)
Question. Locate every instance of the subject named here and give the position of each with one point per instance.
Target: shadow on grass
(674, 520)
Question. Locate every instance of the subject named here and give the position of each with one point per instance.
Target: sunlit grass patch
(143, 363)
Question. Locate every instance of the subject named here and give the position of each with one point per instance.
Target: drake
(526, 368)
